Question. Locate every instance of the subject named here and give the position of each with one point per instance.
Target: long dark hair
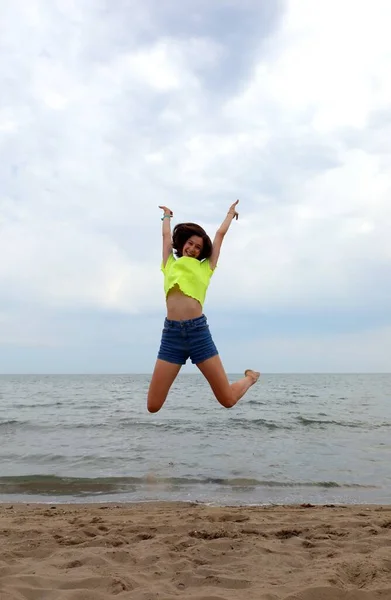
(183, 231)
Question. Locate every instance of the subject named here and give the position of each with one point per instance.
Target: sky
(109, 109)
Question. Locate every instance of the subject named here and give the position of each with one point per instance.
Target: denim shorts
(186, 339)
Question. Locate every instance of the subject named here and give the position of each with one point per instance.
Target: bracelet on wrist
(166, 217)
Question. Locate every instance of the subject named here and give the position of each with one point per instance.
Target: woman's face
(193, 246)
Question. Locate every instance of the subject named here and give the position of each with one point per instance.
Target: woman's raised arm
(220, 233)
(166, 232)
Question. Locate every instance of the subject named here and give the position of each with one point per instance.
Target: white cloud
(316, 241)
(103, 116)
(332, 58)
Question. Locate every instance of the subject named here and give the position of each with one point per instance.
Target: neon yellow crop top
(191, 275)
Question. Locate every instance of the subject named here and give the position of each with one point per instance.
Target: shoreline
(82, 503)
(159, 550)
(48, 489)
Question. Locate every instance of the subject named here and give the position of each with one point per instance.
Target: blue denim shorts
(186, 339)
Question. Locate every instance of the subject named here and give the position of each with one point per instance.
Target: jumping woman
(186, 331)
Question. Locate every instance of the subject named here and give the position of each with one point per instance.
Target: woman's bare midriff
(181, 307)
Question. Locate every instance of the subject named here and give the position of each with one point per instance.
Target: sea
(292, 439)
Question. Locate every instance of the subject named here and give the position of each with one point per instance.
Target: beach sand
(161, 551)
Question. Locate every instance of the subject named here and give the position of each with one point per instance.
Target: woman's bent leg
(163, 377)
(227, 394)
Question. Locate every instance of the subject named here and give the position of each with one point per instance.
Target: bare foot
(254, 375)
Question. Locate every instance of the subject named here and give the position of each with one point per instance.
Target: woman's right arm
(166, 232)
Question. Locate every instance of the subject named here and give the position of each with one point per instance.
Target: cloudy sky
(111, 107)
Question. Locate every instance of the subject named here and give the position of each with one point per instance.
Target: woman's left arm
(220, 233)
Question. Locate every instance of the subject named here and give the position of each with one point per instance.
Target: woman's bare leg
(227, 394)
(163, 377)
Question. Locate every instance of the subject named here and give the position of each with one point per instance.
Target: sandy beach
(162, 551)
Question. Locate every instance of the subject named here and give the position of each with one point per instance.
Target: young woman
(186, 331)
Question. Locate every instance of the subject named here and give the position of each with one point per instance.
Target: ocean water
(291, 439)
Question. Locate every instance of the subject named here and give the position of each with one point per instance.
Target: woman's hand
(232, 210)
(166, 210)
